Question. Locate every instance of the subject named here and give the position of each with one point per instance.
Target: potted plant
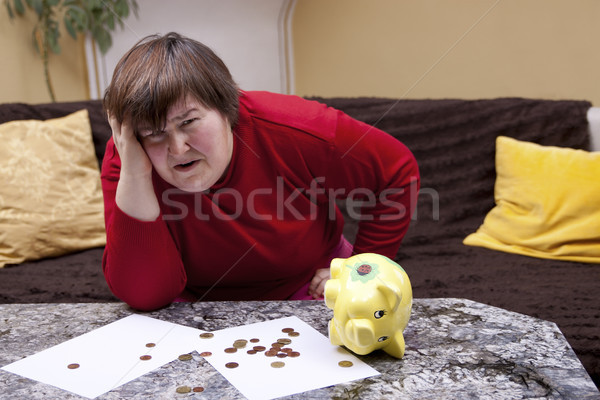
(98, 18)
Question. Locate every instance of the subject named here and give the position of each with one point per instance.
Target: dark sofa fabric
(454, 143)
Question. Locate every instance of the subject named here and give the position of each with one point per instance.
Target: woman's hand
(134, 161)
(135, 192)
(317, 285)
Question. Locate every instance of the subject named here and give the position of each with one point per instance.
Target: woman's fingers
(134, 160)
(317, 284)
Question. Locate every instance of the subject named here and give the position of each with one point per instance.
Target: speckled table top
(455, 348)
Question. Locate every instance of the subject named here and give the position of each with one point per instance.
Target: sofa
(454, 142)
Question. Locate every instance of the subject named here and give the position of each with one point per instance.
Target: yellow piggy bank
(371, 299)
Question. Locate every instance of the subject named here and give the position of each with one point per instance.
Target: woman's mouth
(186, 166)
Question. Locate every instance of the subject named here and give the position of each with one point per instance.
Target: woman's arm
(376, 168)
(141, 263)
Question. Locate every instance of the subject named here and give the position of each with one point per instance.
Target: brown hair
(161, 70)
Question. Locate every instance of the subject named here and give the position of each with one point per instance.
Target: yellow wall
(22, 74)
(441, 49)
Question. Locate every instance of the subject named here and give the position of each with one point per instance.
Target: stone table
(455, 349)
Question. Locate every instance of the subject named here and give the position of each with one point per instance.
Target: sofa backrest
(593, 117)
(454, 144)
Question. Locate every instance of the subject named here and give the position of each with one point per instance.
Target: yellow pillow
(547, 203)
(50, 195)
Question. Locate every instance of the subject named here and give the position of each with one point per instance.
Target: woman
(214, 193)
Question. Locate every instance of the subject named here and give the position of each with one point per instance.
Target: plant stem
(45, 45)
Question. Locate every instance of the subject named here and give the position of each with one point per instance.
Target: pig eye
(379, 313)
(382, 339)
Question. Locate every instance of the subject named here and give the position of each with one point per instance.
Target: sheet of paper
(254, 376)
(108, 356)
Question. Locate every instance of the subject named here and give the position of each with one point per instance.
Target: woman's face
(194, 150)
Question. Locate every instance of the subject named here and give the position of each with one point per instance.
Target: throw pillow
(50, 196)
(547, 203)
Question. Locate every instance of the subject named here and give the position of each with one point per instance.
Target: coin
(282, 355)
(277, 364)
(150, 344)
(284, 341)
(205, 354)
(240, 343)
(145, 357)
(271, 353)
(294, 334)
(206, 335)
(259, 348)
(185, 357)
(232, 365)
(198, 389)
(294, 354)
(345, 364)
(183, 389)
(230, 350)
(251, 351)
(287, 330)
(254, 340)
(73, 366)
(277, 345)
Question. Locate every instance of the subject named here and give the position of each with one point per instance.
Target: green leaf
(19, 7)
(110, 21)
(52, 37)
(80, 18)
(9, 10)
(68, 21)
(136, 8)
(38, 6)
(103, 39)
(122, 8)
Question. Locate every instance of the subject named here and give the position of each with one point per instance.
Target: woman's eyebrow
(183, 116)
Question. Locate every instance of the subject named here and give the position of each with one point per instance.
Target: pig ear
(336, 266)
(396, 346)
(392, 293)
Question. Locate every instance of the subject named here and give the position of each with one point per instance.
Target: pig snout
(361, 334)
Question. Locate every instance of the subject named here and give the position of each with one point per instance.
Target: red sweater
(263, 231)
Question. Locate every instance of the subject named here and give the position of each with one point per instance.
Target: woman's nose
(177, 143)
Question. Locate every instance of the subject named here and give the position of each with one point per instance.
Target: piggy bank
(371, 299)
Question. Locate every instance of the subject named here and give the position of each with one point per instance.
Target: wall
(391, 48)
(246, 34)
(22, 72)
(440, 48)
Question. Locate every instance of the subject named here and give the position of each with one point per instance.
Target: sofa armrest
(593, 116)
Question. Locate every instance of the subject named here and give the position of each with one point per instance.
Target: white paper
(109, 356)
(316, 367)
